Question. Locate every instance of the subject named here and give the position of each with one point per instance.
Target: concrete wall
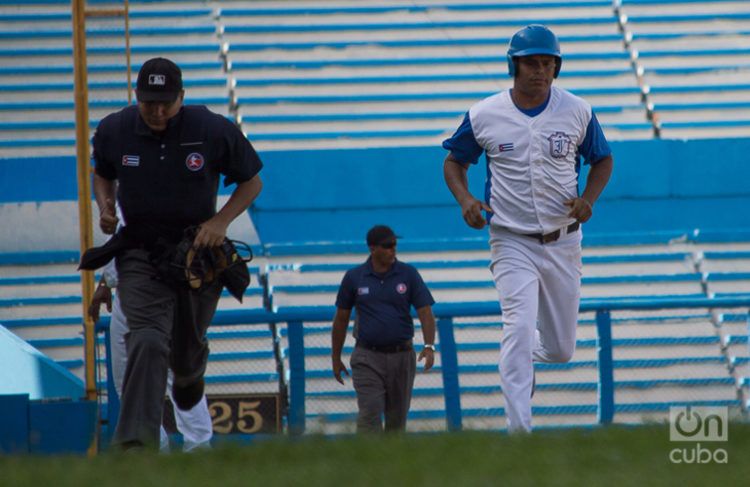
(660, 189)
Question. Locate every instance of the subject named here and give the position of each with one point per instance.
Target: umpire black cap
(159, 80)
(380, 234)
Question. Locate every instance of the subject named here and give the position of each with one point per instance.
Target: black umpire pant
(167, 326)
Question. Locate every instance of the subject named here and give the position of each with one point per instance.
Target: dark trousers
(167, 326)
(383, 383)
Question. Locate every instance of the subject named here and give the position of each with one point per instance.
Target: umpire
(162, 161)
(383, 363)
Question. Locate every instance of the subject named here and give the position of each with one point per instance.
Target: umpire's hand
(429, 358)
(108, 217)
(338, 367)
(211, 233)
(103, 294)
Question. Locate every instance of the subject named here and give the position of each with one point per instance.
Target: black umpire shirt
(383, 301)
(170, 180)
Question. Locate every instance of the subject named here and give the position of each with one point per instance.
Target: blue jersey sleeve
(463, 145)
(595, 146)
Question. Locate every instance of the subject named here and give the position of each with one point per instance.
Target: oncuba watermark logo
(699, 424)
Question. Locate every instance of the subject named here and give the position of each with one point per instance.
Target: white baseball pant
(195, 424)
(539, 286)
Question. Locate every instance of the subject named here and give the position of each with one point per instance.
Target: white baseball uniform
(195, 424)
(533, 159)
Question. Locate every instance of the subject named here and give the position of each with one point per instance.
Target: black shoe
(533, 385)
(133, 446)
(185, 397)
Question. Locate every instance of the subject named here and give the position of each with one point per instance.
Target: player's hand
(338, 367)
(471, 209)
(580, 209)
(211, 233)
(428, 355)
(108, 218)
(103, 294)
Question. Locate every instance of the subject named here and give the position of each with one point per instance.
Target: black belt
(552, 236)
(398, 347)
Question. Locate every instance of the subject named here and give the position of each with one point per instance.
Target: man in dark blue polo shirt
(383, 290)
(162, 161)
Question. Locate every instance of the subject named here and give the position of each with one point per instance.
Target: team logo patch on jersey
(401, 288)
(132, 161)
(559, 145)
(194, 161)
(363, 290)
(507, 147)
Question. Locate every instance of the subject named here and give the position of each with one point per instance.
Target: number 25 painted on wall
(244, 414)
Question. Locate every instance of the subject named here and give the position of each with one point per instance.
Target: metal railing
(445, 313)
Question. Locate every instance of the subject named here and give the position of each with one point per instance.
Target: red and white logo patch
(401, 288)
(195, 161)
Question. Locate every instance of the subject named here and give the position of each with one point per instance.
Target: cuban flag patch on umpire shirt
(131, 161)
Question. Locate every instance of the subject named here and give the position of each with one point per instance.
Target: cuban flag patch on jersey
(132, 161)
(507, 147)
(194, 161)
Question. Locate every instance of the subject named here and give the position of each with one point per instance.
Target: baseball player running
(534, 137)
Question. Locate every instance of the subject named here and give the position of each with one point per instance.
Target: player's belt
(545, 238)
(396, 347)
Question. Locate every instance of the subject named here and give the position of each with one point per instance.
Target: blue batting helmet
(533, 39)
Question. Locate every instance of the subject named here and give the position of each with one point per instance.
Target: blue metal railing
(297, 317)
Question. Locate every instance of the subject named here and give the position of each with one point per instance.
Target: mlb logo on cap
(157, 79)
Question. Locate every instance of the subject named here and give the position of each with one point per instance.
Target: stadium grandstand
(347, 104)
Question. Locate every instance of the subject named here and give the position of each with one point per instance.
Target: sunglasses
(388, 245)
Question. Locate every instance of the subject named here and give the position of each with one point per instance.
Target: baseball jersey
(533, 157)
(383, 302)
(170, 180)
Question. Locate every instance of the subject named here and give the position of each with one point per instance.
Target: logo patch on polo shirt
(401, 288)
(363, 290)
(194, 161)
(133, 161)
